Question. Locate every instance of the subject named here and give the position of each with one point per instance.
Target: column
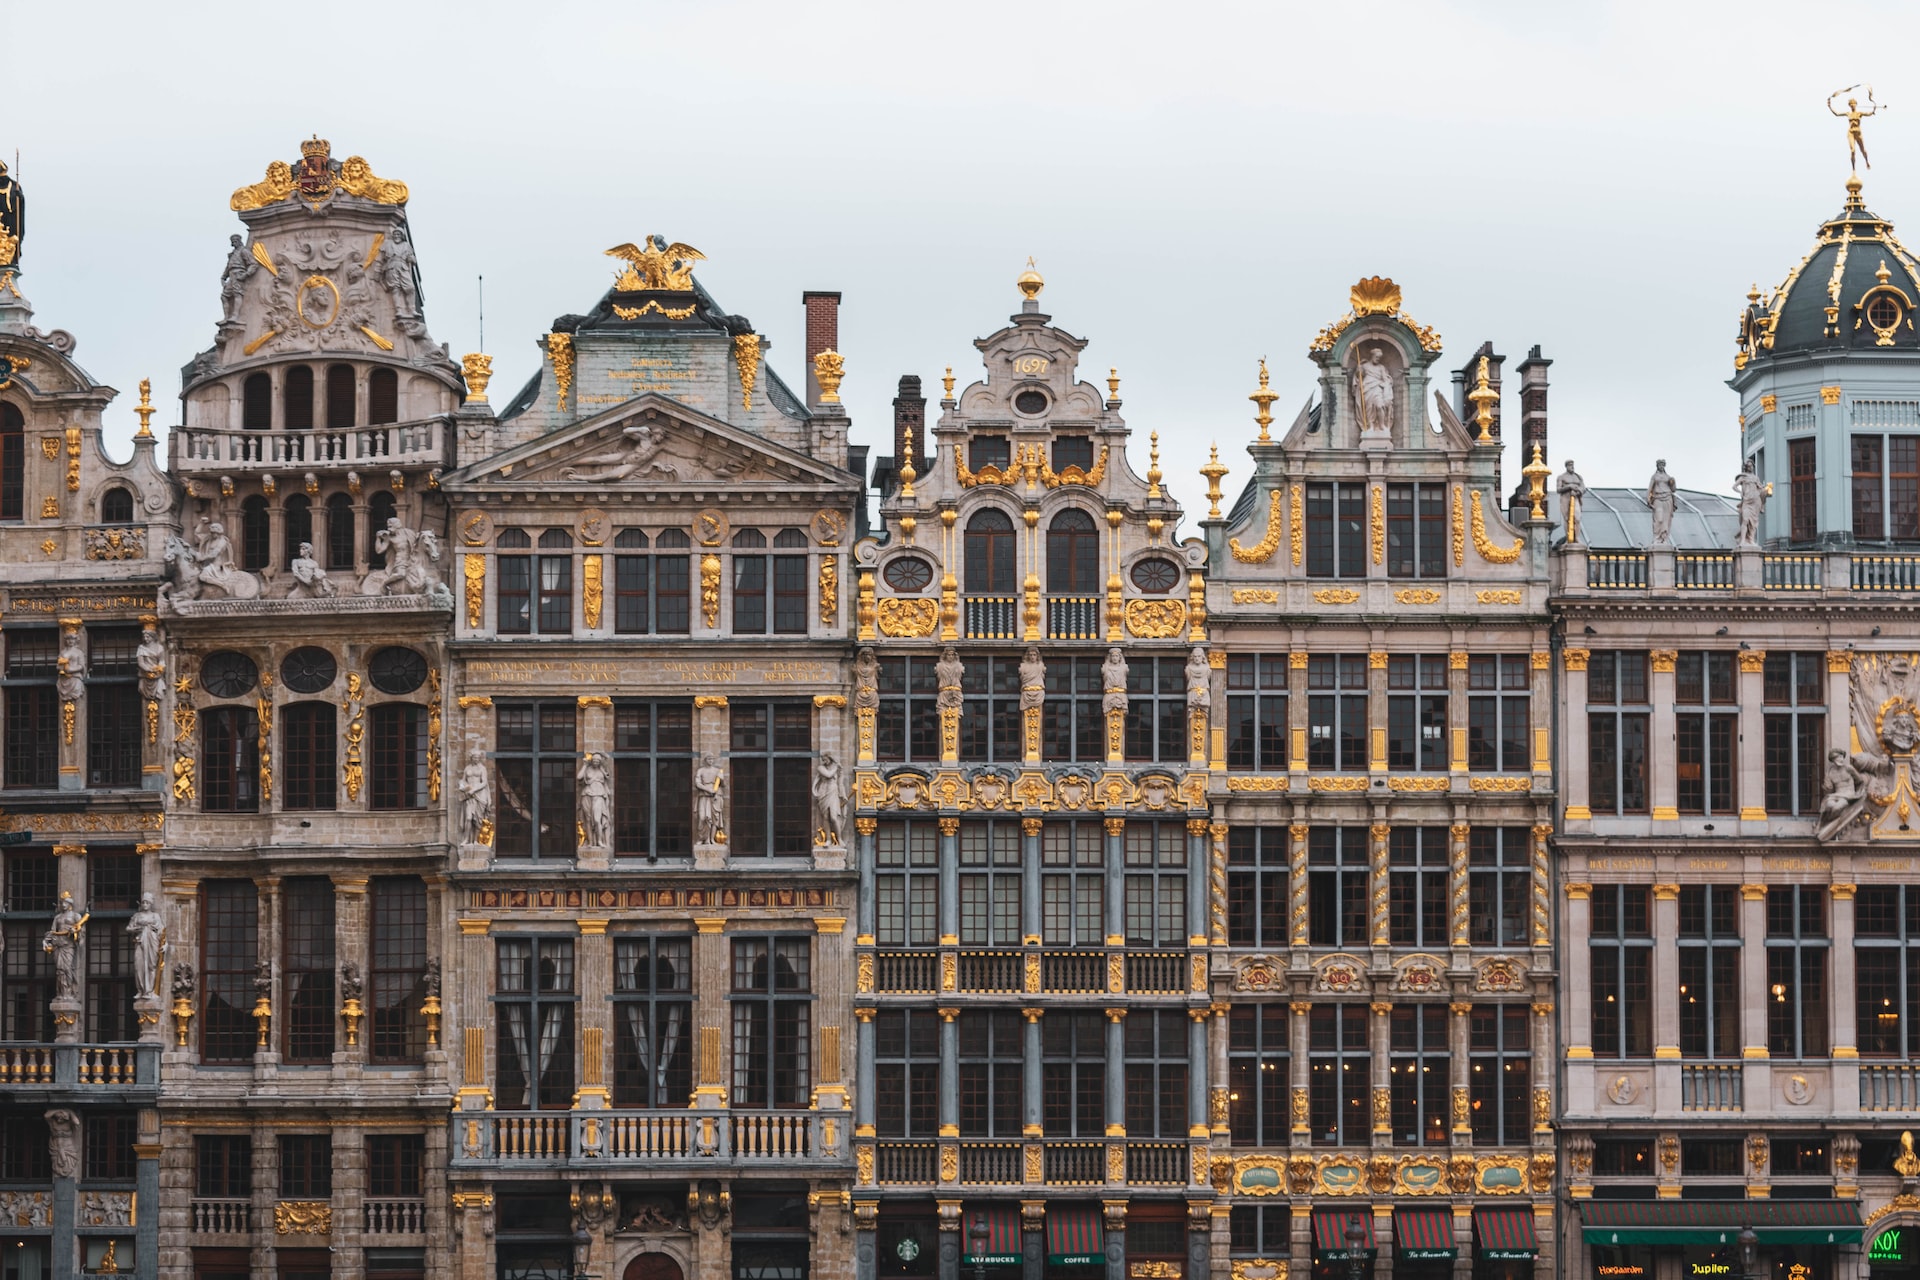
(866, 1259)
(1116, 882)
(1457, 715)
(349, 1186)
(712, 976)
(1846, 1032)
(1666, 991)
(267, 998)
(864, 853)
(593, 970)
(1460, 1073)
(146, 1191)
(949, 882)
(1202, 903)
(949, 1240)
(1380, 1042)
(1116, 1215)
(1030, 903)
(1033, 1239)
(1660, 752)
(949, 1078)
(1573, 735)
(1218, 1087)
(1839, 698)
(1197, 1056)
(1543, 1115)
(1753, 739)
(863, 1069)
(1377, 880)
(1459, 894)
(1297, 711)
(1753, 989)
(1540, 702)
(473, 971)
(1297, 886)
(1377, 711)
(1032, 1123)
(1299, 1064)
(1116, 1075)
(1542, 887)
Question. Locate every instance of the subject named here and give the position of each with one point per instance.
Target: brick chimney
(1533, 411)
(823, 334)
(910, 422)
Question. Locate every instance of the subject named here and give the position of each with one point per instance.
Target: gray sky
(1199, 184)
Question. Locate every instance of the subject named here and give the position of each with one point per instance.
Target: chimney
(1533, 410)
(910, 422)
(823, 334)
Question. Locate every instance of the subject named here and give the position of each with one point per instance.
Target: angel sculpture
(655, 264)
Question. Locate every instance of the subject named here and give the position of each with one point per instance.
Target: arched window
(383, 396)
(256, 403)
(298, 393)
(299, 525)
(340, 532)
(1073, 553)
(256, 545)
(380, 509)
(13, 463)
(339, 397)
(116, 506)
(988, 553)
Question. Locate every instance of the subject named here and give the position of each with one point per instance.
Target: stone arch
(653, 1266)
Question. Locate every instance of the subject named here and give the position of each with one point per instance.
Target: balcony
(1713, 1087)
(1611, 571)
(1081, 1163)
(1013, 971)
(397, 444)
(1075, 1164)
(911, 1163)
(1792, 572)
(82, 1066)
(392, 1220)
(1157, 1164)
(995, 1163)
(1693, 570)
(1885, 573)
(1075, 618)
(221, 1217)
(991, 617)
(1889, 1088)
(26, 1064)
(546, 1138)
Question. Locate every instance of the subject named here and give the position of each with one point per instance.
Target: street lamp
(1356, 1238)
(977, 1232)
(1749, 1253)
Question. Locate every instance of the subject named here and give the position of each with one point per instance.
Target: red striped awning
(1330, 1231)
(1074, 1235)
(1423, 1234)
(989, 1235)
(1505, 1232)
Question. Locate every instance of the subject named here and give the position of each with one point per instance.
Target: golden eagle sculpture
(655, 264)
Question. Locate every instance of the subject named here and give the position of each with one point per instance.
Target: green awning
(1720, 1222)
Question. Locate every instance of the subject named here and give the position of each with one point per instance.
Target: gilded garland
(1262, 551)
(1488, 551)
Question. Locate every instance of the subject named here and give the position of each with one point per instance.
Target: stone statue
(351, 984)
(1113, 681)
(62, 940)
(1373, 387)
(400, 274)
(596, 800)
(410, 555)
(183, 987)
(63, 1142)
(1753, 504)
(151, 660)
(13, 219)
(1846, 789)
(310, 581)
(1199, 680)
(866, 680)
(948, 673)
(1573, 492)
(709, 801)
(829, 802)
(210, 561)
(233, 280)
(263, 980)
(634, 458)
(476, 798)
(72, 666)
(1033, 679)
(1660, 502)
(149, 938)
(430, 978)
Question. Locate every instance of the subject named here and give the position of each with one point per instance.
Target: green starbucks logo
(908, 1249)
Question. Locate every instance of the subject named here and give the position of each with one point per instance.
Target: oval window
(909, 574)
(1156, 575)
(1030, 402)
(1883, 312)
(227, 674)
(308, 670)
(397, 670)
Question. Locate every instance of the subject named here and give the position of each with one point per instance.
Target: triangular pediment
(650, 441)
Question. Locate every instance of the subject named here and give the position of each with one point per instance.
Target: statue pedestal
(147, 1012)
(475, 857)
(593, 858)
(831, 857)
(66, 1021)
(709, 857)
(1747, 569)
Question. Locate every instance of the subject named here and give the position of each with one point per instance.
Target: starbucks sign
(908, 1249)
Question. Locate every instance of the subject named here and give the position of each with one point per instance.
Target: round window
(227, 674)
(1156, 575)
(308, 670)
(909, 574)
(1031, 402)
(397, 670)
(1883, 312)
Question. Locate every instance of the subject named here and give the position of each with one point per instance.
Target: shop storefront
(990, 1242)
(907, 1246)
(1792, 1239)
(1423, 1244)
(1893, 1253)
(1076, 1242)
(1343, 1244)
(1505, 1243)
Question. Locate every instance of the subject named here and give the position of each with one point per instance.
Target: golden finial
(1213, 471)
(1153, 465)
(1030, 282)
(1113, 385)
(145, 410)
(1484, 397)
(1882, 273)
(947, 381)
(1536, 473)
(477, 369)
(1264, 397)
(829, 367)
(907, 474)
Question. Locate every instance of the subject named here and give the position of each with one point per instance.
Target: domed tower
(1828, 374)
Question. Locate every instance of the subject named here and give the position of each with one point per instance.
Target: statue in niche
(72, 667)
(1033, 679)
(1113, 681)
(829, 802)
(1573, 491)
(151, 661)
(1661, 498)
(596, 800)
(633, 458)
(476, 798)
(149, 941)
(310, 581)
(241, 265)
(1374, 392)
(1753, 495)
(709, 801)
(63, 1142)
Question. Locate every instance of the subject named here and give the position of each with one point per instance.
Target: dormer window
(1073, 451)
(988, 451)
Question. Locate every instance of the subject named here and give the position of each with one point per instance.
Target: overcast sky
(1200, 184)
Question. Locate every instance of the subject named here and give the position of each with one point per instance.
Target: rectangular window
(1887, 970)
(772, 1022)
(222, 1166)
(988, 451)
(1157, 1068)
(1903, 487)
(113, 892)
(1258, 860)
(907, 721)
(308, 766)
(749, 595)
(1499, 885)
(398, 776)
(1499, 1067)
(1886, 487)
(990, 884)
(653, 1022)
(907, 1073)
(1803, 490)
(906, 888)
(110, 1136)
(1418, 1066)
(1706, 739)
(1416, 531)
(1261, 1231)
(534, 761)
(534, 1009)
(1498, 712)
(653, 779)
(1337, 1069)
(1337, 711)
(33, 882)
(398, 973)
(992, 1080)
(1156, 719)
(1417, 886)
(306, 970)
(114, 711)
(772, 766)
(1072, 726)
(306, 1166)
(789, 595)
(230, 958)
(990, 724)
(1709, 977)
(1258, 1049)
(556, 594)
(229, 760)
(1417, 712)
(32, 756)
(1156, 883)
(1072, 884)
(1073, 1073)
(650, 591)
(1618, 711)
(1795, 695)
(395, 1165)
(513, 595)
(1337, 887)
(1869, 480)
(1622, 964)
(1257, 711)
(1073, 451)
(1797, 950)
(1336, 530)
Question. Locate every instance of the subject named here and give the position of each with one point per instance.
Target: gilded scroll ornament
(746, 358)
(1459, 527)
(1498, 595)
(829, 590)
(73, 459)
(949, 1163)
(1073, 474)
(474, 566)
(1379, 529)
(907, 619)
(1488, 551)
(560, 352)
(1500, 784)
(1417, 595)
(433, 734)
(1156, 619)
(263, 715)
(1261, 551)
(1335, 595)
(352, 772)
(1256, 595)
(1297, 522)
(303, 1217)
(653, 304)
(710, 590)
(592, 589)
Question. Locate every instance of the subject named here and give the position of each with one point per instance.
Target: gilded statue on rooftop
(1853, 115)
(655, 264)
